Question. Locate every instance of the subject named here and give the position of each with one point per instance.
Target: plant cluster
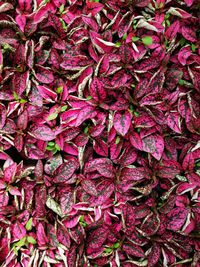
(99, 133)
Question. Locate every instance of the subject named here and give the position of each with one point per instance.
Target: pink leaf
(176, 218)
(159, 146)
(9, 172)
(154, 255)
(150, 225)
(94, 7)
(184, 54)
(65, 171)
(97, 238)
(44, 75)
(174, 121)
(39, 171)
(19, 231)
(41, 235)
(101, 147)
(102, 165)
(14, 191)
(96, 90)
(21, 21)
(189, 2)
(85, 113)
(89, 187)
(122, 122)
(124, 24)
(172, 30)
(188, 33)
(22, 120)
(71, 222)
(43, 132)
(66, 202)
(133, 250)
(133, 174)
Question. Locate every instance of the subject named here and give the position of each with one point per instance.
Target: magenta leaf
(174, 121)
(122, 122)
(133, 250)
(44, 75)
(65, 171)
(154, 255)
(184, 54)
(133, 174)
(176, 218)
(43, 132)
(172, 30)
(97, 91)
(85, 113)
(19, 231)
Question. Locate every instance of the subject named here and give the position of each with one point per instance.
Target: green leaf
(51, 144)
(131, 108)
(168, 23)
(52, 116)
(81, 218)
(89, 97)
(86, 129)
(59, 89)
(31, 240)
(108, 250)
(22, 101)
(63, 24)
(136, 114)
(118, 44)
(147, 40)
(181, 82)
(20, 243)
(84, 224)
(15, 250)
(61, 8)
(50, 148)
(193, 47)
(116, 245)
(29, 224)
(133, 85)
(7, 47)
(117, 140)
(182, 41)
(135, 39)
(15, 96)
(167, 16)
(54, 150)
(64, 108)
(124, 36)
(57, 147)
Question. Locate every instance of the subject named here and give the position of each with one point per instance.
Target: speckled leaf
(133, 174)
(44, 75)
(174, 121)
(154, 255)
(184, 54)
(65, 171)
(122, 122)
(43, 132)
(89, 187)
(133, 250)
(22, 120)
(97, 90)
(176, 218)
(172, 30)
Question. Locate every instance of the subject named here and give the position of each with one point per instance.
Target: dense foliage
(99, 133)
